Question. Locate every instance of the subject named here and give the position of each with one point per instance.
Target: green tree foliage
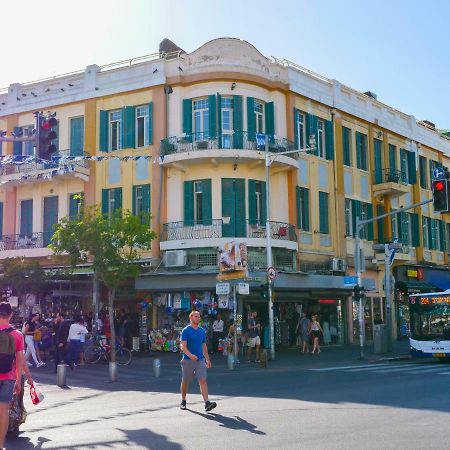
(111, 245)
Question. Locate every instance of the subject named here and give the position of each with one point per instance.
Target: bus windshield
(430, 319)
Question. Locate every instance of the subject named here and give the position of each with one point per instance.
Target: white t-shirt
(75, 331)
(218, 326)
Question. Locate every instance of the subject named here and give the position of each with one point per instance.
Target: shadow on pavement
(24, 443)
(232, 423)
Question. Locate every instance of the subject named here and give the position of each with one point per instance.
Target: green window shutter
(313, 129)
(323, 212)
(430, 233)
(369, 225)
(358, 149)
(117, 199)
(329, 140)
(308, 130)
(302, 208)
(392, 157)
(1, 220)
(251, 121)
(219, 120)
(146, 198)
(346, 146)
(76, 136)
(415, 238)
(150, 123)
(104, 127)
(26, 217)
(400, 220)
(50, 217)
(187, 118)
(238, 125)
(74, 201)
(252, 202)
(423, 171)
(206, 202)
(299, 207)
(105, 201)
(263, 219)
(239, 190)
(134, 208)
(356, 212)
(363, 143)
(270, 119)
(212, 110)
(412, 176)
(55, 141)
(296, 136)
(380, 222)
(129, 126)
(378, 161)
(188, 203)
(442, 240)
(17, 146)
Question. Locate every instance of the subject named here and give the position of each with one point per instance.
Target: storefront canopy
(416, 287)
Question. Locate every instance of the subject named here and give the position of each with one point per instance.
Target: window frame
(259, 112)
(146, 120)
(119, 130)
(301, 129)
(348, 215)
(203, 113)
(198, 202)
(321, 143)
(227, 106)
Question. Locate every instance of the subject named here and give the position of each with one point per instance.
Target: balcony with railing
(389, 182)
(33, 244)
(199, 145)
(219, 230)
(17, 168)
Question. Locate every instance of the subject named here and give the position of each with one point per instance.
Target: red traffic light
(48, 123)
(439, 185)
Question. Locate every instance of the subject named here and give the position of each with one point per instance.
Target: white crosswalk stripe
(388, 368)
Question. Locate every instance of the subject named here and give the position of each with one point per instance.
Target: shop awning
(416, 287)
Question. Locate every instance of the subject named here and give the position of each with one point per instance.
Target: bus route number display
(434, 300)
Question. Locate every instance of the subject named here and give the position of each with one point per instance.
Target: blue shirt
(194, 340)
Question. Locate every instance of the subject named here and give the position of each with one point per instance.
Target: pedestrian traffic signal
(45, 136)
(358, 290)
(440, 195)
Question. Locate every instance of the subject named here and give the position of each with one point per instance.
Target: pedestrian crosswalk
(411, 368)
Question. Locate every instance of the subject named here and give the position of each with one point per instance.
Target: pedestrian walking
(316, 329)
(217, 332)
(75, 332)
(61, 337)
(253, 339)
(195, 360)
(303, 329)
(29, 329)
(12, 362)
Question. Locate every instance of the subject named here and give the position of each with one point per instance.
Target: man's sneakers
(183, 405)
(40, 364)
(210, 406)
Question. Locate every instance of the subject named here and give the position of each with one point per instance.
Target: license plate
(439, 355)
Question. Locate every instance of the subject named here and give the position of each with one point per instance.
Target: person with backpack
(12, 363)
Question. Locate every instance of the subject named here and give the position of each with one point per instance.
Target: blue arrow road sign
(350, 281)
(438, 173)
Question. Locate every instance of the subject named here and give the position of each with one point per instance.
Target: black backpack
(7, 350)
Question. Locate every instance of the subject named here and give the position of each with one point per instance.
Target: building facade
(175, 134)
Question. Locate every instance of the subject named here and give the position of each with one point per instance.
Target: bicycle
(100, 349)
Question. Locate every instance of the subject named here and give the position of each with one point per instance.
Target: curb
(401, 357)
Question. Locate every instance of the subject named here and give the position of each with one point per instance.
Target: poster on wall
(223, 301)
(232, 260)
(177, 301)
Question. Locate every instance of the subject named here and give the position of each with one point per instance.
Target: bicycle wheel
(92, 354)
(123, 356)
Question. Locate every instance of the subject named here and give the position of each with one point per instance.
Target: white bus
(430, 324)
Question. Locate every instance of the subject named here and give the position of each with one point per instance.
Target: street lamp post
(268, 162)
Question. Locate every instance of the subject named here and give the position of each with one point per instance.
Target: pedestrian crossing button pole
(61, 375)
(112, 371)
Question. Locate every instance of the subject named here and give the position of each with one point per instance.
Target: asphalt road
(301, 403)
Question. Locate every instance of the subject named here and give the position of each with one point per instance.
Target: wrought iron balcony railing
(217, 228)
(389, 176)
(24, 241)
(241, 140)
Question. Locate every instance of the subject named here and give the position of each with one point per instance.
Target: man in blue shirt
(195, 360)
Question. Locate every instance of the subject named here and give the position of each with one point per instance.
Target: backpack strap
(8, 330)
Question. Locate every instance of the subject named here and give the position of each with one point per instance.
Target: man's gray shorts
(191, 369)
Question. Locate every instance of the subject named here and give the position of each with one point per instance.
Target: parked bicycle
(98, 348)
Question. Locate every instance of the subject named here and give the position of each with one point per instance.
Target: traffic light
(358, 291)
(45, 136)
(440, 195)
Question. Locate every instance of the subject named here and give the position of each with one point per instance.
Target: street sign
(244, 288)
(438, 173)
(222, 288)
(271, 273)
(350, 281)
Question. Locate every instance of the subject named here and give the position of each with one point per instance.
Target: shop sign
(411, 273)
(244, 288)
(350, 281)
(222, 288)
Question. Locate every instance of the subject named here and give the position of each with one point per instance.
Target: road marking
(382, 369)
(425, 370)
(326, 369)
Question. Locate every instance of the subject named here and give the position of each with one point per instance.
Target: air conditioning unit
(175, 258)
(338, 265)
